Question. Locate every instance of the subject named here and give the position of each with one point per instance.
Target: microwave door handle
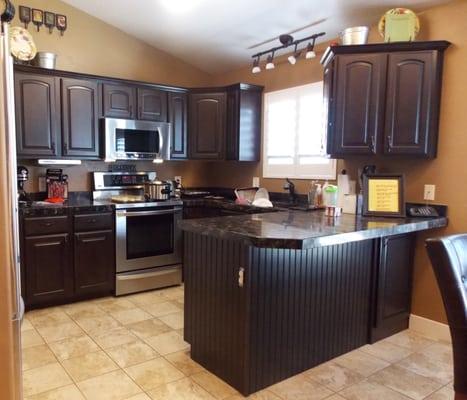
(145, 213)
(161, 141)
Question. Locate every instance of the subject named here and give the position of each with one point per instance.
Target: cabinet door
(49, 278)
(412, 104)
(207, 125)
(152, 105)
(178, 118)
(80, 130)
(359, 104)
(119, 101)
(94, 265)
(393, 286)
(37, 115)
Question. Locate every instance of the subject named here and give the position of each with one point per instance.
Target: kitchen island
(271, 295)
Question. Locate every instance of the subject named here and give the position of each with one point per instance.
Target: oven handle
(123, 213)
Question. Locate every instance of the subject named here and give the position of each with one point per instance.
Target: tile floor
(132, 348)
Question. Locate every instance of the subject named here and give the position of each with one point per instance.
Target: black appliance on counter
(22, 178)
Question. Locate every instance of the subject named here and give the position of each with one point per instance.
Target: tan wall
(92, 46)
(448, 171)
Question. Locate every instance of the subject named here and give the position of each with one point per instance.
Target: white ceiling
(217, 35)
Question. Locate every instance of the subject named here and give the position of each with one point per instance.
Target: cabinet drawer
(93, 222)
(44, 226)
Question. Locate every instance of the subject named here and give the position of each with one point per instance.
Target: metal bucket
(354, 35)
(45, 60)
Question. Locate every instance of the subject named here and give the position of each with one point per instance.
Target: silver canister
(45, 59)
(354, 35)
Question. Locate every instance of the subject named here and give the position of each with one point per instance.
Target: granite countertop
(303, 230)
(225, 204)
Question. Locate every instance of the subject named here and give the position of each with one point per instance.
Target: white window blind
(294, 134)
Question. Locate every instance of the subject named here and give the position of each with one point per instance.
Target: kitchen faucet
(290, 187)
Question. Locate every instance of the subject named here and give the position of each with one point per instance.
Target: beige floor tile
(406, 382)
(98, 325)
(182, 389)
(131, 316)
(300, 388)
(180, 332)
(333, 376)
(386, 351)
(173, 292)
(132, 353)
(175, 320)
(70, 392)
(148, 328)
(37, 356)
(428, 366)
(361, 362)
(45, 378)
(212, 384)
(31, 338)
(337, 397)
(440, 351)
(116, 304)
(411, 340)
(141, 396)
(261, 395)
(112, 386)
(26, 325)
(371, 391)
(161, 309)
(153, 373)
(48, 317)
(114, 337)
(89, 366)
(83, 310)
(146, 298)
(182, 361)
(73, 347)
(445, 393)
(167, 343)
(54, 333)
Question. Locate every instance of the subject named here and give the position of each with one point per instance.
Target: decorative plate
(21, 44)
(404, 16)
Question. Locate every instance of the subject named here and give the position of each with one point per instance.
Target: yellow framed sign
(383, 195)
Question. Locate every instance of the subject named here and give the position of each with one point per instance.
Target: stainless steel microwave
(126, 139)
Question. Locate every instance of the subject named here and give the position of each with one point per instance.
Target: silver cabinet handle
(144, 213)
(241, 277)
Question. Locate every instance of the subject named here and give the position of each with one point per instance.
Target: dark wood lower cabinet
(49, 272)
(94, 265)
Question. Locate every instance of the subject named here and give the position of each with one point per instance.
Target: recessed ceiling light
(180, 6)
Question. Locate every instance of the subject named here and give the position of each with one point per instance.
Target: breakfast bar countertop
(303, 230)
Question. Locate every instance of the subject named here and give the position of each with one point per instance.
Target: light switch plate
(255, 182)
(429, 192)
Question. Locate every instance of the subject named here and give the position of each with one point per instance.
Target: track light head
(256, 68)
(270, 62)
(293, 57)
(310, 52)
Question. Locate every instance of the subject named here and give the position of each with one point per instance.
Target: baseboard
(429, 328)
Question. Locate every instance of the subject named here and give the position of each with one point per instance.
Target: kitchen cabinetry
(178, 117)
(80, 125)
(152, 104)
(383, 98)
(207, 125)
(37, 107)
(118, 100)
(67, 257)
(392, 285)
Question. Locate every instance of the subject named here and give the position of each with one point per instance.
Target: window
(294, 134)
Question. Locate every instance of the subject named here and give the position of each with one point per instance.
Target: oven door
(148, 238)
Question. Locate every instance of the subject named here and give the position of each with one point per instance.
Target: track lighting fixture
(256, 68)
(270, 62)
(287, 41)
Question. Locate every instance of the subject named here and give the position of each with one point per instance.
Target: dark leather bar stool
(449, 259)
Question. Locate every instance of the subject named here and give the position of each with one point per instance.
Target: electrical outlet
(178, 179)
(255, 182)
(429, 192)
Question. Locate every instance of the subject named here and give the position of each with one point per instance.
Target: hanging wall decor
(61, 23)
(49, 20)
(37, 18)
(25, 15)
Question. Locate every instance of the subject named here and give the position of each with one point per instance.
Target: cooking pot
(157, 190)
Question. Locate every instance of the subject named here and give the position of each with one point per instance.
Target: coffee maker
(22, 177)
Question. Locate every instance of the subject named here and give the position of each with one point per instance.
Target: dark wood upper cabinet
(37, 115)
(80, 125)
(359, 99)
(207, 125)
(412, 104)
(393, 285)
(178, 118)
(244, 113)
(383, 98)
(152, 104)
(119, 101)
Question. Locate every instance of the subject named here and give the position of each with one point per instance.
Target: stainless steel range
(148, 240)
